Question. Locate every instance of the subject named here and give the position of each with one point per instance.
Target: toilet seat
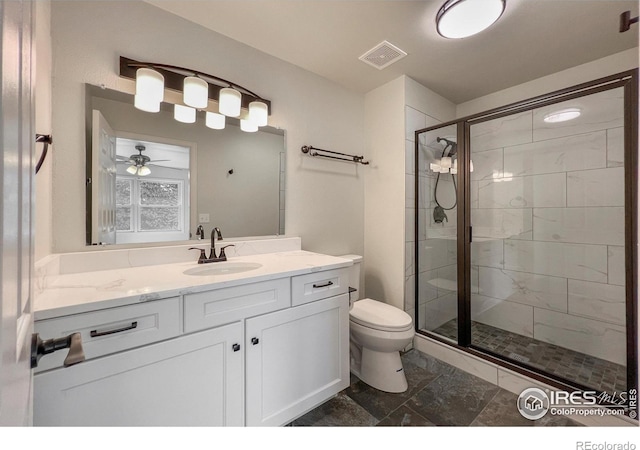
(380, 316)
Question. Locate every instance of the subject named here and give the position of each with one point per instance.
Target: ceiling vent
(383, 55)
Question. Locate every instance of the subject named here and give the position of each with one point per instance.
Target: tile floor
(585, 369)
(438, 395)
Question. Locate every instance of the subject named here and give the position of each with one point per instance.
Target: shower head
(449, 143)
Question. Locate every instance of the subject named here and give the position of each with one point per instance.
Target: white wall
(393, 112)
(43, 217)
(324, 198)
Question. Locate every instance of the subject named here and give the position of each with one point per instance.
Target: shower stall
(526, 235)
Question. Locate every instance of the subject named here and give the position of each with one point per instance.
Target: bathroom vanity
(258, 340)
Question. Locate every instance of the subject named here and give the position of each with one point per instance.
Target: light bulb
(132, 169)
(215, 120)
(184, 114)
(258, 113)
(195, 92)
(149, 85)
(230, 102)
(248, 126)
(145, 104)
(144, 171)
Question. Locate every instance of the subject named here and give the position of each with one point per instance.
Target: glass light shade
(434, 167)
(145, 104)
(258, 113)
(149, 85)
(184, 114)
(455, 165)
(248, 126)
(215, 120)
(562, 116)
(132, 169)
(144, 171)
(446, 162)
(195, 92)
(458, 19)
(230, 102)
(454, 171)
(470, 166)
(444, 170)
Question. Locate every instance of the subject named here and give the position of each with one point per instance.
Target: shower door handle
(470, 234)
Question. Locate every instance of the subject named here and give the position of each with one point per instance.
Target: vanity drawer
(319, 285)
(220, 306)
(113, 329)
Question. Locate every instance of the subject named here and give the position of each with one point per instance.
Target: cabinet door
(295, 360)
(191, 380)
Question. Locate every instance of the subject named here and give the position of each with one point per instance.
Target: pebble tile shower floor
(588, 370)
(438, 395)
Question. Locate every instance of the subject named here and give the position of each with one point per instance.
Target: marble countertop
(76, 293)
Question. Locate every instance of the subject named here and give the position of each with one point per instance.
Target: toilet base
(382, 370)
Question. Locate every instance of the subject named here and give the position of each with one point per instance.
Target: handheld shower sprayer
(448, 143)
(439, 214)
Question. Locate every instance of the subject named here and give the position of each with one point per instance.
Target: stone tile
(501, 411)
(419, 370)
(339, 411)
(404, 417)
(453, 399)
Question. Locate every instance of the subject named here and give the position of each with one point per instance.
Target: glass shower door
(437, 243)
(548, 239)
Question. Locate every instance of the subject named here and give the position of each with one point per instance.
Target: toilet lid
(378, 315)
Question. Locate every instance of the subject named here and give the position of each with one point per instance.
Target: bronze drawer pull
(94, 333)
(328, 283)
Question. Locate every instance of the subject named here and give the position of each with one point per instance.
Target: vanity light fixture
(197, 90)
(184, 114)
(215, 121)
(562, 115)
(458, 19)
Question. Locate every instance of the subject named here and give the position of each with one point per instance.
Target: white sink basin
(222, 268)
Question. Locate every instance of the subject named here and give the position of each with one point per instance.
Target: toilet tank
(354, 274)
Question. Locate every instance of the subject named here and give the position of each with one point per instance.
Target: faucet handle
(203, 255)
(222, 254)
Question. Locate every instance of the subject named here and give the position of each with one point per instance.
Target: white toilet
(378, 332)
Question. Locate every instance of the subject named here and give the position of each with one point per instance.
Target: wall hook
(230, 172)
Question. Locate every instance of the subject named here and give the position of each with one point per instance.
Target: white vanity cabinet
(192, 379)
(296, 359)
(260, 353)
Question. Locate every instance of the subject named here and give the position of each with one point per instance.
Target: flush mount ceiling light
(562, 116)
(458, 19)
(197, 89)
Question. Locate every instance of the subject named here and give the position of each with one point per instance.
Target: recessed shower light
(458, 19)
(562, 116)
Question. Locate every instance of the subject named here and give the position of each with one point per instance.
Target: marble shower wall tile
(603, 302)
(592, 337)
(600, 187)
(599, 112)
(427, 286)
(409, 157)
(502, 223)
(435, 253)
(487, 252)
(615, 147)
(581, 152)
(541, 291)
(509, 316)
(511, 130)
(524, 192)
(414, 120)
(616, 265)
(577, 261)
(487, 164)
(579, 225)
(439, 311)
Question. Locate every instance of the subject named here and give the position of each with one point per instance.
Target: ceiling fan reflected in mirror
(139, 163)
